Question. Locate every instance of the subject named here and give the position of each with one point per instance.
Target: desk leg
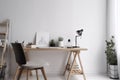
(68, 63)
(72, 66)
(27, 58)
(81, 66)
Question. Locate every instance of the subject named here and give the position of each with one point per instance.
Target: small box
(33, 46)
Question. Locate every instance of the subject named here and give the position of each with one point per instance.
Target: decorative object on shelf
(79, 34)
(111, 59)
(60, 42)
(69, 45)
(52, 43)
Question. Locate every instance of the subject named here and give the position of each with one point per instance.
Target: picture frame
(42, 39)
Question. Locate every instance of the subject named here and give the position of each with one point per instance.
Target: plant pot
(113, 71)
(52, 43)
(61, 44)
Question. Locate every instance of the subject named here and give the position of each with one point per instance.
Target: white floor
(77, 77)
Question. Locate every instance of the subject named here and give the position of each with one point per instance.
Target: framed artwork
(42, 39)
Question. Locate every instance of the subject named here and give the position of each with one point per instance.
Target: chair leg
(37, 74)
(19, 74)
(27, 75)
(43, 72)
(16, 73)
(30, 72)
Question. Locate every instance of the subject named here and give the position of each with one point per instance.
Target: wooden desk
(71, 63)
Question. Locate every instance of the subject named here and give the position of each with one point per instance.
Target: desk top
(57, 48)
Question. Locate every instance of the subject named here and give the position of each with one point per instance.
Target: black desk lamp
(79, 34)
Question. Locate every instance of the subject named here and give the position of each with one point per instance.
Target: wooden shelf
(2, 33)
(1, 46)
(4, 23)
(76, 72)
(4, 30)
(3, 64)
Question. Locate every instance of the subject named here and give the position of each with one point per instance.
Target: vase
(61, 44)
(113, 71)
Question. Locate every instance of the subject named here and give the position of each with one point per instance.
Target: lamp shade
(79, 32)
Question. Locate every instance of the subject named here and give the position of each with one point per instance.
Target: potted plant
(60, 42)
(52, 43)
(111, 59)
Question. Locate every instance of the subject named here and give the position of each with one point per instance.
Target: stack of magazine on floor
(2, 72)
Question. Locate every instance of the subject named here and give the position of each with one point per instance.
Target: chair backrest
(19, 53)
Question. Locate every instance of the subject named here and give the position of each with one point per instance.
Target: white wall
(60, 18)
(111, 17)
(117, 30)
